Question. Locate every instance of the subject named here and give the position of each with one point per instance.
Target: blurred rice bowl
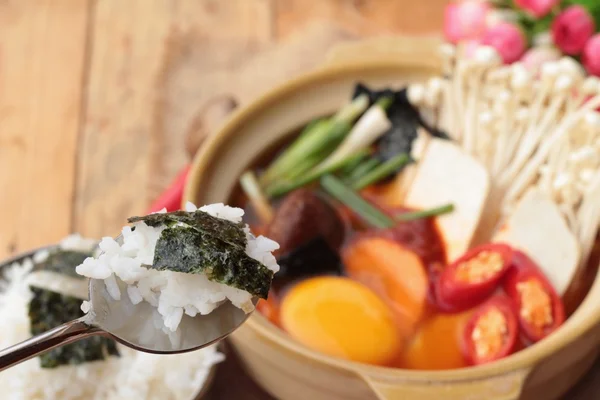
(132, 375)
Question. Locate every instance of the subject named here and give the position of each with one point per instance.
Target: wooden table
(103, 101)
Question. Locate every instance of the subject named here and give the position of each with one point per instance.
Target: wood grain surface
(103, 101)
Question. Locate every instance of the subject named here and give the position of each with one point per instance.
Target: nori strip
(313, 258)
(405, 119)
(64, 262)
(49, 309)
(189, 250)
(228, 231)
(209, 245)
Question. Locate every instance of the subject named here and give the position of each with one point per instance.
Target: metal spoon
(131, 325)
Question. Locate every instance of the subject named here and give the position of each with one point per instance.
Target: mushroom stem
(507, 110)
(528, 172)
(528, 141)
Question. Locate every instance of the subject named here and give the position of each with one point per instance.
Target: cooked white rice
(172, 293)
(134, 375)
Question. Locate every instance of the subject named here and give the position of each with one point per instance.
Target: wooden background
(103, 101)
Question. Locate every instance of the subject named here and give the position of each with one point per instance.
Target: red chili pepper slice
(540, 309)
(171, 197)
(473, 277)
(492, 331)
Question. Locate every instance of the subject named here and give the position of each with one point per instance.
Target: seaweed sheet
(227, 231)
(63, 262)
(209, 245)
(405, 119)
(48, 309)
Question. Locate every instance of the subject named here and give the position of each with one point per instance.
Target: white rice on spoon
(172, 293)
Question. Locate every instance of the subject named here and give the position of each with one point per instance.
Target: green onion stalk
(261, 204)
(323, 134)
(381, 171)
(362, 169)
(345, 195)
(284, 187)
(368, 212)
(432, 212)
(373, 123)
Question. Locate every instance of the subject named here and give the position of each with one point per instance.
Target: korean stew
(442, 225)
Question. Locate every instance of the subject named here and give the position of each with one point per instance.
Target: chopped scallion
(354, 201)
(321, 136)
(252, 189)
(282, 188)
(432, 212)
(364, 168)
(380, 172)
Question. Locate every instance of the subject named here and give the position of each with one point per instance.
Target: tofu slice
(537, 228)
(446, 174)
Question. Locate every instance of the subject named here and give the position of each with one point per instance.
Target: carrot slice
(395, 273)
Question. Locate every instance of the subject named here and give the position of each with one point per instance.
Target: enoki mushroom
(529, 129)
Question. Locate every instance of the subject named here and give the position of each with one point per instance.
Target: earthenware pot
(291, 371)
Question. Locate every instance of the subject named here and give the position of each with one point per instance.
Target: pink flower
(508, 40)
(465, 20)
(537, 8)
(536, 56)
(591, 55)
(572, 29)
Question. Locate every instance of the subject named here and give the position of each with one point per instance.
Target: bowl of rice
(36, 291)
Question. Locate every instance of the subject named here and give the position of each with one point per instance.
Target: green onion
(364, 168)
(251, 188)
(432, 212)
(347, 170)
(385, 102)
(382, 171)
(370, 213)
(322, 135)
(282, 188)
(310, 126)
(371, 125)
(355, 202)
(300, 169)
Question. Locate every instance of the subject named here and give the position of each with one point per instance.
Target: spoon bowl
(134, 324)
(138, 326)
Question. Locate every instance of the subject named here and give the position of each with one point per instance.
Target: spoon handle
(64, 334)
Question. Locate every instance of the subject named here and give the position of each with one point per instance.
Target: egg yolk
(342, 318)
(437, 344)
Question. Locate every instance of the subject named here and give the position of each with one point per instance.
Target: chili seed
(489, 333)
(536, 304)
(480, 268)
